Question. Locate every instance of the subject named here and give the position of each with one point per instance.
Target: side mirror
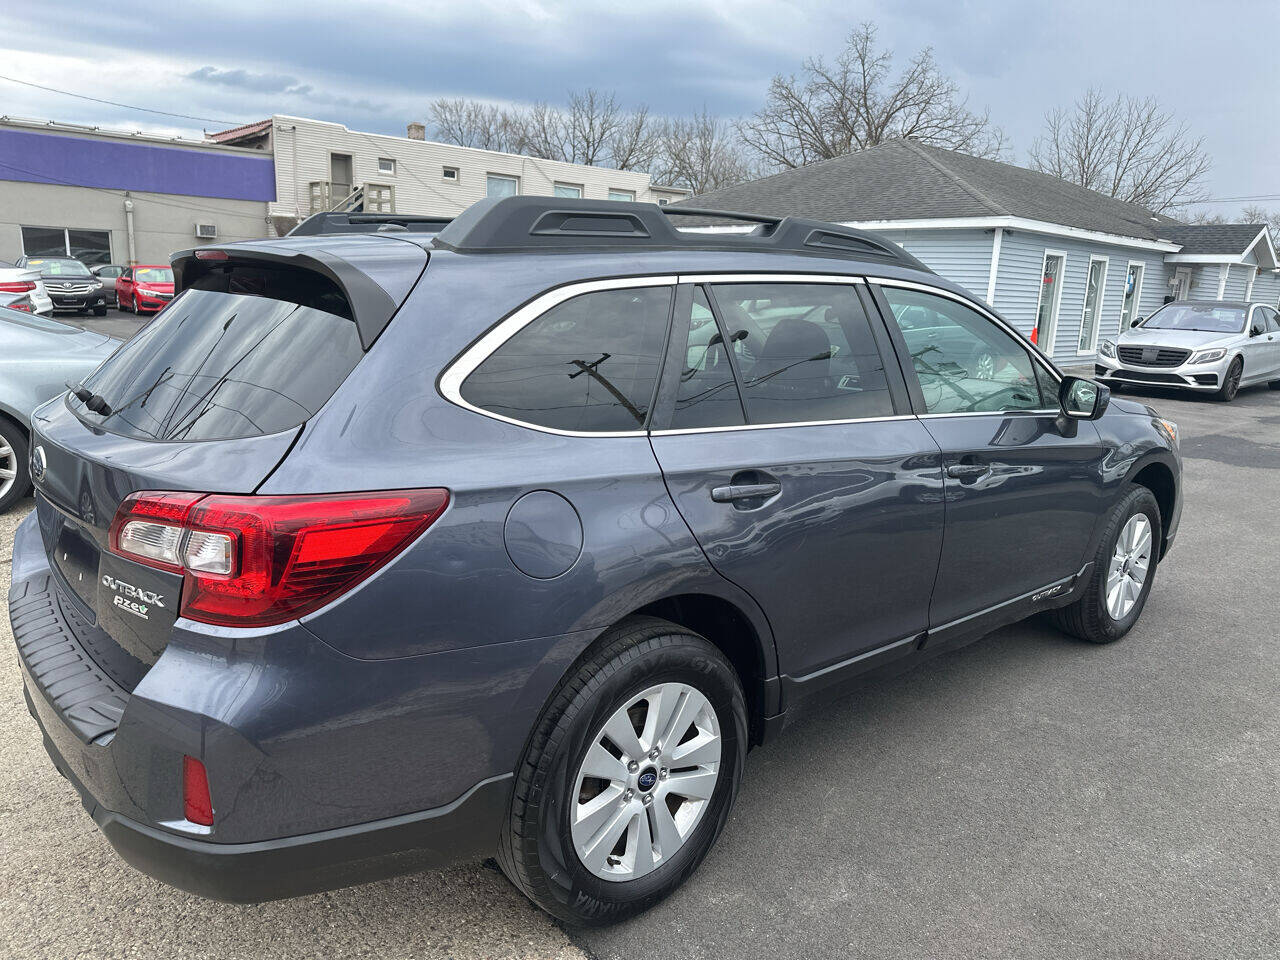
(1082, 399)
(1256, 330)
(1137, 322)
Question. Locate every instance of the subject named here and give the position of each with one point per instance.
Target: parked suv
(385, 544)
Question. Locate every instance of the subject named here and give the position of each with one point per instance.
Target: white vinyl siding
(1205, 279)
(1237, 281)
(1266, 287)
(960, 255)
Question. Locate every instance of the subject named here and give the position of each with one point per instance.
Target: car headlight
(1107, 348)
(1208, 356)
(95, 284)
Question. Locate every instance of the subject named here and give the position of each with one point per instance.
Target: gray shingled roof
(906, 180)
(1215, 238)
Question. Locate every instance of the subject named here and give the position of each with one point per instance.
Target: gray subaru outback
(398, 541)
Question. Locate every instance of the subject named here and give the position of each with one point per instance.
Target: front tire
(1231, 382)
(629, 776)
(100, 310)
(1123, 570)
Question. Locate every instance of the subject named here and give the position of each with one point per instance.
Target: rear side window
(707, 395)
(805, 352)
(589, 364)
(230, 359)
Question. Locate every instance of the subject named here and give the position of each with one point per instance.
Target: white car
(1213, 346)
(25, 280)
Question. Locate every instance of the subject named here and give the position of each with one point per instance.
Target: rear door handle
(745, 491)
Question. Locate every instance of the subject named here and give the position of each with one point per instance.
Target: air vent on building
(207, 231)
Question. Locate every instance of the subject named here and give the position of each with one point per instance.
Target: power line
(1262, 196)
(127, 106)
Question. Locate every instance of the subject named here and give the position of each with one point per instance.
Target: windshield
(153, 275)
(60, 268)
(217, 365)
(1205, 317)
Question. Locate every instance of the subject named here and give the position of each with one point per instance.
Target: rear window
(242, 354)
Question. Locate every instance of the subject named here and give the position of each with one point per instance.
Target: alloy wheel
(985, 367)
(1130, 563)
(646, 781)
(8, 467)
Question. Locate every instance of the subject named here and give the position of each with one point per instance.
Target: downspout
(128, 230)
(995, 265)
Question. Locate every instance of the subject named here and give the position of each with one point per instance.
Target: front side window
(588, 365)
(500, 186)
(1272, 318)
(965, 363)
(805, 352)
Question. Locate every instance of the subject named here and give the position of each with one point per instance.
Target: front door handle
(967, 471)
(745, 491)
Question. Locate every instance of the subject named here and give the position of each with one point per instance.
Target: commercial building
(115, 197)
(326, 166)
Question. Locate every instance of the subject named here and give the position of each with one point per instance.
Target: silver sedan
(1213, 346)
(38, 356)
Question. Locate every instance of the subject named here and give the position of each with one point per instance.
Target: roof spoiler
(332, 223)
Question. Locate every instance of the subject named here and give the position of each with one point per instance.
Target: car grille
(78, 289)
(1153, 356)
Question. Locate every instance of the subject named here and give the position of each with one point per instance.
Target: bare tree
(473, 123)
(1256, 214)
(858, 101)
(701, 154)
(637, 141)
(1129, 148)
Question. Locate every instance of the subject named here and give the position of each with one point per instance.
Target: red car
(144, 289)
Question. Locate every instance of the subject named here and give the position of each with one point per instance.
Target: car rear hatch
(209, 398)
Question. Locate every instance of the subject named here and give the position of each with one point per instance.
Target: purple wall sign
(113, 165)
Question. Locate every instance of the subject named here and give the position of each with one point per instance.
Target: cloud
(248, 80)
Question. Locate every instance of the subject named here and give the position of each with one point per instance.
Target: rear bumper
(310, 863)
(309, 784)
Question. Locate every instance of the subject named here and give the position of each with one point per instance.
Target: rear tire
(1096, 616)
(1231, 382)
(554, 846)
(13, 459)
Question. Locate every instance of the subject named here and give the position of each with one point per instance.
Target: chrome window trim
(1033, 350)
(774, 426)
(450, 383)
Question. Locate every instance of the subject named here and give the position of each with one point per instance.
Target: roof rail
(335, 222)
(507, 224)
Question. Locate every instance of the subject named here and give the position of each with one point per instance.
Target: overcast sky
(374, 67)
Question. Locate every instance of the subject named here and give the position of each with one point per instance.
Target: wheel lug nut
(648, 799)
(662, 774)
(654, 753)
(628, 795)
(632, 767)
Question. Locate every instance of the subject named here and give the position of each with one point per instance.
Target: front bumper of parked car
(1205, 377)
(86, 300)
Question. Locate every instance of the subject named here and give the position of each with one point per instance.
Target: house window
(91, 247)
(500, 186)
(571, 190)
(622, 194)
(379, 198)
(386, 166)
(450, 174)
(663, 201)
(1132, 294)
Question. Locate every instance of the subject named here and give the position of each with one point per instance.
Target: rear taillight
(197, 805)
(16, 286)
(256, 561)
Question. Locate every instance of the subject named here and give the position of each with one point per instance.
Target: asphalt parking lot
(1028, 796)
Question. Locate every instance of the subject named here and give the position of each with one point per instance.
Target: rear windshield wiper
(90, 399)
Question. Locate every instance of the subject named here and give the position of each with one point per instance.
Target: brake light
(197, 805)
(16, 286)
(257, 561)
(212, 255)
